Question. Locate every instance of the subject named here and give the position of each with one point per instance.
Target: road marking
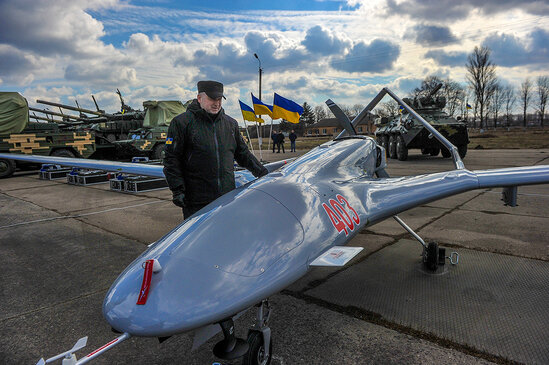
(80, 215)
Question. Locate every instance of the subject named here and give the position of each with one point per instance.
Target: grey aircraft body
(257, 239)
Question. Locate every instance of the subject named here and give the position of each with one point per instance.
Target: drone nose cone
(213, 266)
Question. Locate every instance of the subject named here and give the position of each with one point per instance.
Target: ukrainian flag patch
(169, 140)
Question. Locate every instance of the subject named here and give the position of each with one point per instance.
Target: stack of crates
(52, 172)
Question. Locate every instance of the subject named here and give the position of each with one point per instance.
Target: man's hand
(263, 172)
(179, 198)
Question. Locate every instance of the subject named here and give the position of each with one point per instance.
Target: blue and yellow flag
(261, 108)
(248, 113)
(286, 109)
(469, 106)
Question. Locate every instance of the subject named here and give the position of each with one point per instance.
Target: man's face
(210, 105)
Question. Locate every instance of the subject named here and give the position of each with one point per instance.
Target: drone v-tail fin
(341, 117)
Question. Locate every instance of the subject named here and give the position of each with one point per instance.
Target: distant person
(201, 148)
(292, 137)
(274, 138)
(280, 141)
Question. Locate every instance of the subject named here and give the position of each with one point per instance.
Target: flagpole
(249, 139)
(258, 142)
(270, 134)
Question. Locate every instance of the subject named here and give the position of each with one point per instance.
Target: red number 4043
(343, 216)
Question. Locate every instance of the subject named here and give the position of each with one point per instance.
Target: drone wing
(387, 197)
(242, 176)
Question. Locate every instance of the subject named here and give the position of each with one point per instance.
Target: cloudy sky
(61, 50)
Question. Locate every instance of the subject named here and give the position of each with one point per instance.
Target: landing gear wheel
(401, 149)
(392, 146)
(158, 151)
(462, 149)
(256, 352)
(431, 256)
(445, 152)
(434, 151)
(63, 153)
(7, 168)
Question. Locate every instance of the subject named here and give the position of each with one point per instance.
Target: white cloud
(160, 52)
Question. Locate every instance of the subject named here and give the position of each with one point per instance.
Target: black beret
(213, 89)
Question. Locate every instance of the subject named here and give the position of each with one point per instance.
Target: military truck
(150, 140)
(400, 133)
(19, 135)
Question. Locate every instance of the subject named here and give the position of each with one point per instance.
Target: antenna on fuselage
(341, 117)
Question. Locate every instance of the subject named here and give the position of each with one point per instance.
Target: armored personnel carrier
(400, 133)
(19, 135)
(150, 140)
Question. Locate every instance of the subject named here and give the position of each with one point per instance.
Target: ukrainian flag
(469, 106)
(247, 112)
(286, 109)
(261, 108)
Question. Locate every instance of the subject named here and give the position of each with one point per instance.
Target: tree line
(483, 98)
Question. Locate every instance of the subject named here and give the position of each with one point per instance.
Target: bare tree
(509, 100)
(356, 109)
(347, 110)
(525, 97)
(427, 85)
(482, 78)
(454, 94)
(387, 109)
(496, 102)
(543, 94)
(320, 113)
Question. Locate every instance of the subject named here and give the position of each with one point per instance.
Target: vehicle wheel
(392, 146)
(63, 153)
(425, 151)
(445, 152)
(256, 352)
(401, 149)
(158, 151)
(434, 151)
(7, 168)
(430, 256)
(462, 149)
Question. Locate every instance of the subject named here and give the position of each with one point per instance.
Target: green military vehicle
(19, 135)
(150, 140)
(401, 133)
(107, 127)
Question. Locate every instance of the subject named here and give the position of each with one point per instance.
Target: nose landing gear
(258, 336)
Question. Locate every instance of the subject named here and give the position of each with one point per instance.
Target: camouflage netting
(162, 112)
(14, 113)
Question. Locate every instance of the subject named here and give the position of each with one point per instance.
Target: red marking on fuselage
(146, 284)
(343, 216)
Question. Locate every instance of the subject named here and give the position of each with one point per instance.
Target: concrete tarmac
(62, 246)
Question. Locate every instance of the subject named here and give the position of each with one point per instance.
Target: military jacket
(200, 154)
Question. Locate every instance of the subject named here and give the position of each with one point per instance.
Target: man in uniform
(201, 147)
